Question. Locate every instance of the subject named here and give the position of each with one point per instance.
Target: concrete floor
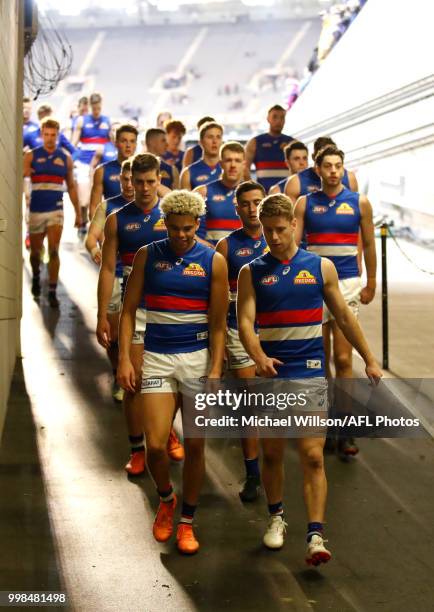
(70, 519)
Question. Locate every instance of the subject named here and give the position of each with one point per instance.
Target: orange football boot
(163, 523)
(185, 539)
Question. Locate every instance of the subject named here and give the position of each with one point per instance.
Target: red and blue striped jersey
(221, 218)
(242, 249)
(94, 132)
(136, 228)
(48, 177)
(289, 310)
(311, 182)
(111, 185)
(332, 229)
(201, 173)
(177, 292)
(269, 159)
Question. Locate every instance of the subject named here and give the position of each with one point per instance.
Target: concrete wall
(11, 81)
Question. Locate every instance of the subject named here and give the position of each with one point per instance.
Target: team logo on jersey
(58, 161)
(244, 252)
(344, 209)
(164, 174)
(163, 266)
(202, 178)
(114, 177)
(194, 269)
(320, 209)
(160, 226)
(41, 160)
(104, 126)
(304, 277)
(270, 279)
(266, 249)
(132, 227)
(312, 188)
(218, 198)
(283, 144)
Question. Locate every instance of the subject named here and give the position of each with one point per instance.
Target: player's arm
(97, 156)
(95, 234)
(222, 247)
(292, 188)
(246, 316)
(217, 313)
(274, 189)
(72, 189)
(188, 158)
(66, 144)
(175, 178)
(369, 254)
(77, 131)
(250, 156)
(185, 179)
(346, 320)
(133, 295)
(352, 181)
(27, 164)
(97, 190)
(106, 279)
(299, 212)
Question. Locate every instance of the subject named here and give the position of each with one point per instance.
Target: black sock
(136, 443)
(166, 496)
(314, 529)
(252, 467)
(187, 513)
(276, 509)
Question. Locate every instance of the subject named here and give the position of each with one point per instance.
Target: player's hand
(126, 375)
(97, 256)
(266, 367)
(367, 295)
(374, 373)
(78, 220)
(103, 332)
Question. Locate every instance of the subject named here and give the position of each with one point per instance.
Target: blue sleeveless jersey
(93, 133)
(109, 153)
(221, 217)
(289, 309)
(332, 229)
(33, 140)
(137, 228)
(48, 177)
(166, 174)
(177, 291)
(201, 173)
(111, 185)
(269, 159)
(197, 153)
(311, 182)
(242, 249)
(174, 160)
(281, 184)
(114, 204)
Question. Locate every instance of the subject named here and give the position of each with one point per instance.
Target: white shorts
(39, 221)
(114, 305)
(139, 333)
(81, 172)
(350, 289)
(237, 356)
(165, 373)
